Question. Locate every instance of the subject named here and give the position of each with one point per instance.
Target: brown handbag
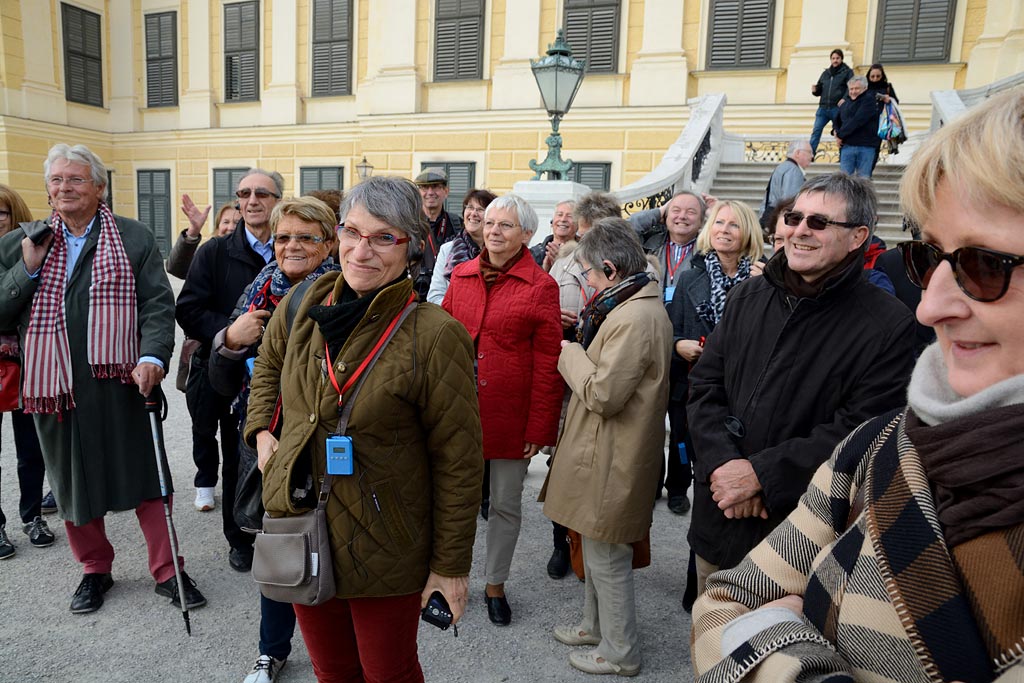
(188, 347)
(641, 552)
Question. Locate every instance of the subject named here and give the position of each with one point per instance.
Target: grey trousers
(505, 518)
(609, 604)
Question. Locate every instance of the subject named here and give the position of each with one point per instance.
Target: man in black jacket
(857, 129)
(801, 356)
(221, 270)
(831, 92)
(433, 185)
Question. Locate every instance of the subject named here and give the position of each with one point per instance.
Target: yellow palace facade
(179, 96)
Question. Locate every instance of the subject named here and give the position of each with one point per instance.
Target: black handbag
(249, 491)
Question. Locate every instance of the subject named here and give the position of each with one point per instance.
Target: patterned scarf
(598, 309)
(711, 311)
(463, 249)
(113, 336)
(271, 284)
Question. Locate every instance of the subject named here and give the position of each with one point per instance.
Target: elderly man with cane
(88, 294)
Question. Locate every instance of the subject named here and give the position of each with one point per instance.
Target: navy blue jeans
(822, 118)
(277, 626)
(857, 160)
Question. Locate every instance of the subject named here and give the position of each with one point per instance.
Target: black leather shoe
(679, 504)
(485, 508)
(240, 559)
(169, 589)
(89, 594)
(498, 610)
(558, 565)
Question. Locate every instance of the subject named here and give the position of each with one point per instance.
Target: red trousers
(371, 640)
(91, 548)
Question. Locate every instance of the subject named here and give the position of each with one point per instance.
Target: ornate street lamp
(364, 169)
(558, 76)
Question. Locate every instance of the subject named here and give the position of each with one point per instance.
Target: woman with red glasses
(903, 560)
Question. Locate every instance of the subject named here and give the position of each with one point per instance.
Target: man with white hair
(857, 129)
(786, 178)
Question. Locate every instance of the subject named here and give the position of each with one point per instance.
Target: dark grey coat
(99, 455)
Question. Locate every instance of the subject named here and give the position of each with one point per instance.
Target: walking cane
(156, 406)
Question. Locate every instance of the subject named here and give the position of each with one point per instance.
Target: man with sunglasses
(801, 356)
(221, 270)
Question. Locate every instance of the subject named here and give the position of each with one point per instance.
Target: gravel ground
(137, 636)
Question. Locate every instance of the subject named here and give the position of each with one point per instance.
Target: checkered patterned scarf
(112, 341)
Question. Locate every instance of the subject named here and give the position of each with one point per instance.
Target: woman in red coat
(510, 308)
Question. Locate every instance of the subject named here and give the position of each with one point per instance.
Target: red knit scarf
(112, 342)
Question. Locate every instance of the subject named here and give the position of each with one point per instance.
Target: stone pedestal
(543, 196)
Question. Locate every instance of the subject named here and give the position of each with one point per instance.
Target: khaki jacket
(410, 506)
(606, 466)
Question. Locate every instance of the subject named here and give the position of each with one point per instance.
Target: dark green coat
(99, 456)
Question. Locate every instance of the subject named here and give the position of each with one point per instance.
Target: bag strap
(298, 293)
(346, 412)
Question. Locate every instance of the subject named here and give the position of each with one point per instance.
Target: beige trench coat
(605, 469)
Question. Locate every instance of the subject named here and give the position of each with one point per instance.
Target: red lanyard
(366, 361)
(263, 292)
(586, 299)
(668, 263)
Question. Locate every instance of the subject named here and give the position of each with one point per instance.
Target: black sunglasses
(814, 221)
(244, 193)
(982, 274)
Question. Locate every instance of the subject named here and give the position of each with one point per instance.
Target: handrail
(947, 105)
(690, 163)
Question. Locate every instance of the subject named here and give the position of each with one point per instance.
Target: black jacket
(221, 270)
(693, 288)
(857, 121)
(833, 85)
(452, 226)
(799, 374)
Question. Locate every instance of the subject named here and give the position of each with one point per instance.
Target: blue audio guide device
(339, 455)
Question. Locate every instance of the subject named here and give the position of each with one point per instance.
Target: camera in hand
(437, 612)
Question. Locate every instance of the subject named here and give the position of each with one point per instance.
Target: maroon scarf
(113, 337)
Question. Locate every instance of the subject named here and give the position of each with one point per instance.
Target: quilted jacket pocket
(391, 513)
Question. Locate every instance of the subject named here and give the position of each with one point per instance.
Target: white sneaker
(204, 498)
(265, 670)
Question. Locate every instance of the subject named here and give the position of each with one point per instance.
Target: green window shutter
(241, 51)
(154, 202)
(740, 34)
(914, 30)
(461, 179)
(459, 40)
(592, 30)
(321, 178)
(161, 60)
(332, 47)
(593, 174)
(225, 180)
(83, 56)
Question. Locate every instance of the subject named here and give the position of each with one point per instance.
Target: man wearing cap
(433, 184)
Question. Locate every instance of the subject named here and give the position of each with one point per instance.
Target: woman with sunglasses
(903, 560)
(304, 241)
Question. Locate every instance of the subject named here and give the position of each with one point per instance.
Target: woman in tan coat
(606, 467)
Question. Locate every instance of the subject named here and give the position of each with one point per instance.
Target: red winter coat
(517, 331)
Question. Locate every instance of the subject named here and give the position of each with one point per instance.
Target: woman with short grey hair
(390, 199)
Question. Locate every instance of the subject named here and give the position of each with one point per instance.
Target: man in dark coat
(831, 92)
(433, 185)
(220, 271)
(857, 129)
(801, 356)
(88, 294)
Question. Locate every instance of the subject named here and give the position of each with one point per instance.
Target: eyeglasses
(586, 272)
(73, 181)
(814, 221)
(505, 226)
(245, 192)
(982, 274)
(381, 241)
(301, 240)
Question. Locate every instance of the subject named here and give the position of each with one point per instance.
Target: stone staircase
(746, 182)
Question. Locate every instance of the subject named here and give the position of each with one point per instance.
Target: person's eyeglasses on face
(381, 241)
(302, 240)
(245, 193)
(814, 221)
(503, 226)
(73, 181)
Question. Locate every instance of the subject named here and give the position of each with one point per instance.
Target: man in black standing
(433, 184)
(831, 92)
(221, 270)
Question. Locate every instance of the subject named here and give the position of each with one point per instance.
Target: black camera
(437, 612)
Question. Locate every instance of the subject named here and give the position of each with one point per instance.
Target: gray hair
(571, 203)
(525, 215)
(863, 80)
(797, 145)
(594, 206)
(856, 193)
(79, 154)
(613, 240)
(397, 202)
(700, 201)
(273, 175)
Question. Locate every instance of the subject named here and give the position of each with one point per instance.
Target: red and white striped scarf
(113, 337)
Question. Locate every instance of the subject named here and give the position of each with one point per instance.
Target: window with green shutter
(83, 56)
(592, 31)
(596, 175)
(740, 34)
(321, 178)
(459, 40)
(225, 180)
(914, 30)
(461, 179)
(154, 202)
(332, 47)
(241, 51)
(162, 59)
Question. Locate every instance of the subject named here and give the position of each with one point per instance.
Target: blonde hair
(16, 205)
(227, 206)
(981, 154)
(751, 246)
(306, 208)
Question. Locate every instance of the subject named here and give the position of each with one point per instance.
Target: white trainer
(265, 670)
(204, 498)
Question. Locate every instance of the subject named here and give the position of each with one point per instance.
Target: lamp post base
(553, 164)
